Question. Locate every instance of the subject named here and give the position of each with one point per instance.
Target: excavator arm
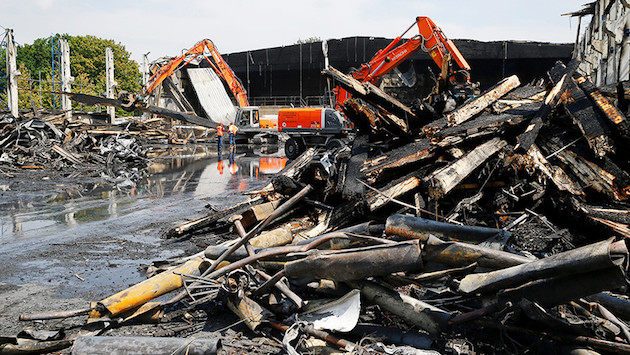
(217, 63)
(430, 39)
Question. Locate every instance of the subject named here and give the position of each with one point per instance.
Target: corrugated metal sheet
(212, 95)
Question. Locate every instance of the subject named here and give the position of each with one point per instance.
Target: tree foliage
(87, 63)
(308, 40)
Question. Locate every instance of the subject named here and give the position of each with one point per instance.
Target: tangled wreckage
(499, 227)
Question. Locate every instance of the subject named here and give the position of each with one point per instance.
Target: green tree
(87, 63)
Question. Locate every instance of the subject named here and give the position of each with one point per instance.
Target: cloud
(44, 4)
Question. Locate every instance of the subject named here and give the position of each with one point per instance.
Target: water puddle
(103, 235)
(177, 173)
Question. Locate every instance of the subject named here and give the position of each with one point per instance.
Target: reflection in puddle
(177, 173)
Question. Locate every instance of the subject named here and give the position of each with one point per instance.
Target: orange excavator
(205, 48)
(217, 63)
(454, 68)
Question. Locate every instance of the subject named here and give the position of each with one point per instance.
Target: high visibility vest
(220, 131)
(233, 129)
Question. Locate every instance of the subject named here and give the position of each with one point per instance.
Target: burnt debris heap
(500, 226)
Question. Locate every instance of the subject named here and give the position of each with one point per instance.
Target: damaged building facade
(604, 48)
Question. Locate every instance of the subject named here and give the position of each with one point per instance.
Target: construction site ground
(67, 241)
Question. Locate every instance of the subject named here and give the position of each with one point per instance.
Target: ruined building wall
(604, 48)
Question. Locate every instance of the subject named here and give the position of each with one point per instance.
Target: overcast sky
(166, 27)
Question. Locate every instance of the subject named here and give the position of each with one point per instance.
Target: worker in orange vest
(220, 131)
(232, 133)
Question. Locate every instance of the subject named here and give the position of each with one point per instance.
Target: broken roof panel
(212, 95)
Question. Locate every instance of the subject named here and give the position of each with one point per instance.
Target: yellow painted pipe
(149, 289)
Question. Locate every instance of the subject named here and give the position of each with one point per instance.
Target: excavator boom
(430, 39)
(218, 65)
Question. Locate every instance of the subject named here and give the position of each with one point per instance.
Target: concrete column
(146, 75)
(110, 83)
(145, 69)
(12, 74)
(66, 78)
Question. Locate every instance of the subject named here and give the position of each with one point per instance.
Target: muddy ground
(66, 241)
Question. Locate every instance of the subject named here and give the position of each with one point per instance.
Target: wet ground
(65, 241)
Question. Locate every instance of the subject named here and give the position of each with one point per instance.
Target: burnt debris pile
(498, 227)
(72, 147)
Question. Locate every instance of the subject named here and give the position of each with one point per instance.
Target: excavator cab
(248, 116)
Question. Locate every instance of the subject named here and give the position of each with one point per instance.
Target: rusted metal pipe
(357, 263)
(267, 285)
(54, 315)
(236, 220)
(421, 228)
(423, 315)
(247, 309)
(342, 343)
(284, 289)
(285, 207)
(263, 254)
(597, 256)
(462, 254)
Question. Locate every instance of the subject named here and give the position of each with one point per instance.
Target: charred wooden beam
(588, 173)
(375, 200)
(370, 120)
(369, 93)
(365, 120)
(585, 116)
(375, 168)
(558, 176)
(528, 137)
(443, 180)
(388, 102)
(483, 125)
(476, 105)
(612, 114)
